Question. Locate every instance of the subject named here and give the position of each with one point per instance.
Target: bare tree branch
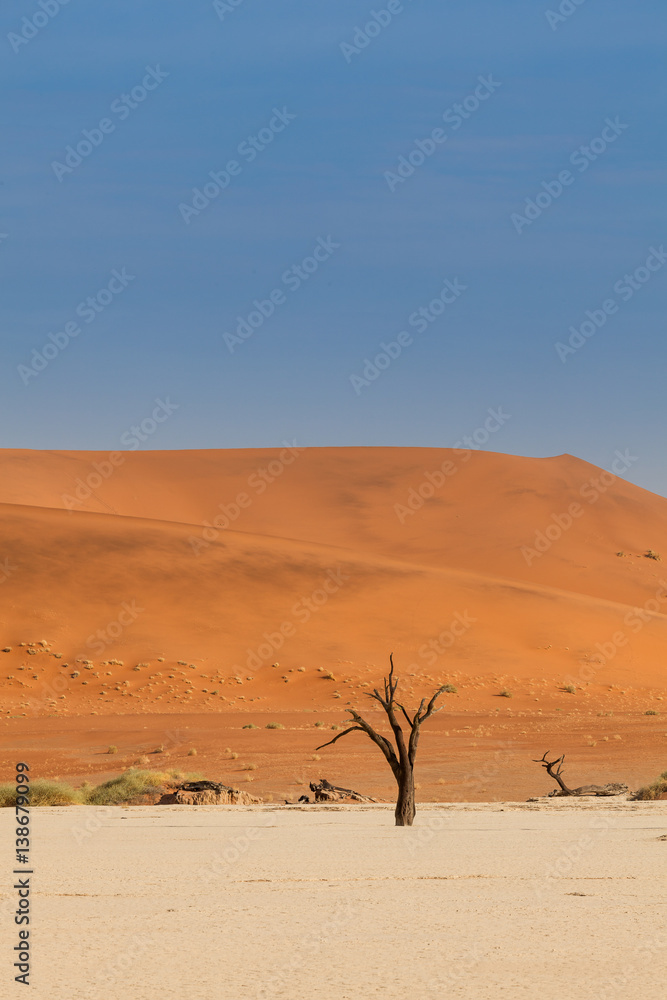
(352, 729)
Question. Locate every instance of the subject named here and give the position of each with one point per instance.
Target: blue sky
(218, 78)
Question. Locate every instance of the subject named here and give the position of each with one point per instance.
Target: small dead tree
(401, 759)
(613, 788)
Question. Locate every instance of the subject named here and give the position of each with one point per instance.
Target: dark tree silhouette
(401, 759)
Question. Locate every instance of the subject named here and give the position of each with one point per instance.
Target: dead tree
(401, 759)
(614, 788)
(326, 792)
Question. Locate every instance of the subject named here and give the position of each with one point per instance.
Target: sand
(181, 578)
(551, 901)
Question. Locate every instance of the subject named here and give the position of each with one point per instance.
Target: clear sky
(305, 116)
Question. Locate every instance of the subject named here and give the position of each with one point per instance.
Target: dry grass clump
(43, 792)
(130, 785)
(274, 725)
(450, 689)
(112, 749)
(250, 725)
(570, 688)
(249, 767)
(650, 554)
(650, 711)
(655, 790)
(505, 693)
(192, 752)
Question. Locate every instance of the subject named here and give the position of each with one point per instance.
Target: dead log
(326, 792)
(613, 788)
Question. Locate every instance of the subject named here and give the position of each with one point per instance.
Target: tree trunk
(405, 803)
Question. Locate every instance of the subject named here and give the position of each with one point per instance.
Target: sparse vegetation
(43, 792)
(650, 554)
(655, 790)
(450, 689)
(130, 785)
(570, 688)
(249, 767)
(505, 693)
(250, 725)
(319, 724)
(192, 752)
(112, 749)
(274, 725)
(650, 711)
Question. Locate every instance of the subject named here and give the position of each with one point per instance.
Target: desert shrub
(250, 725)
(43, 792)
(570, 688)
(450, 689)
(274, 725)
(655, 790)
(192, 752)
(249, 767)
(126, 786)
(320, 724)
(505, 693)
(650, 554)
(112, 749)
(650, 711)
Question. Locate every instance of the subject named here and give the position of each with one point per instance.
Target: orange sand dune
(387, 567)
(207, 567)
